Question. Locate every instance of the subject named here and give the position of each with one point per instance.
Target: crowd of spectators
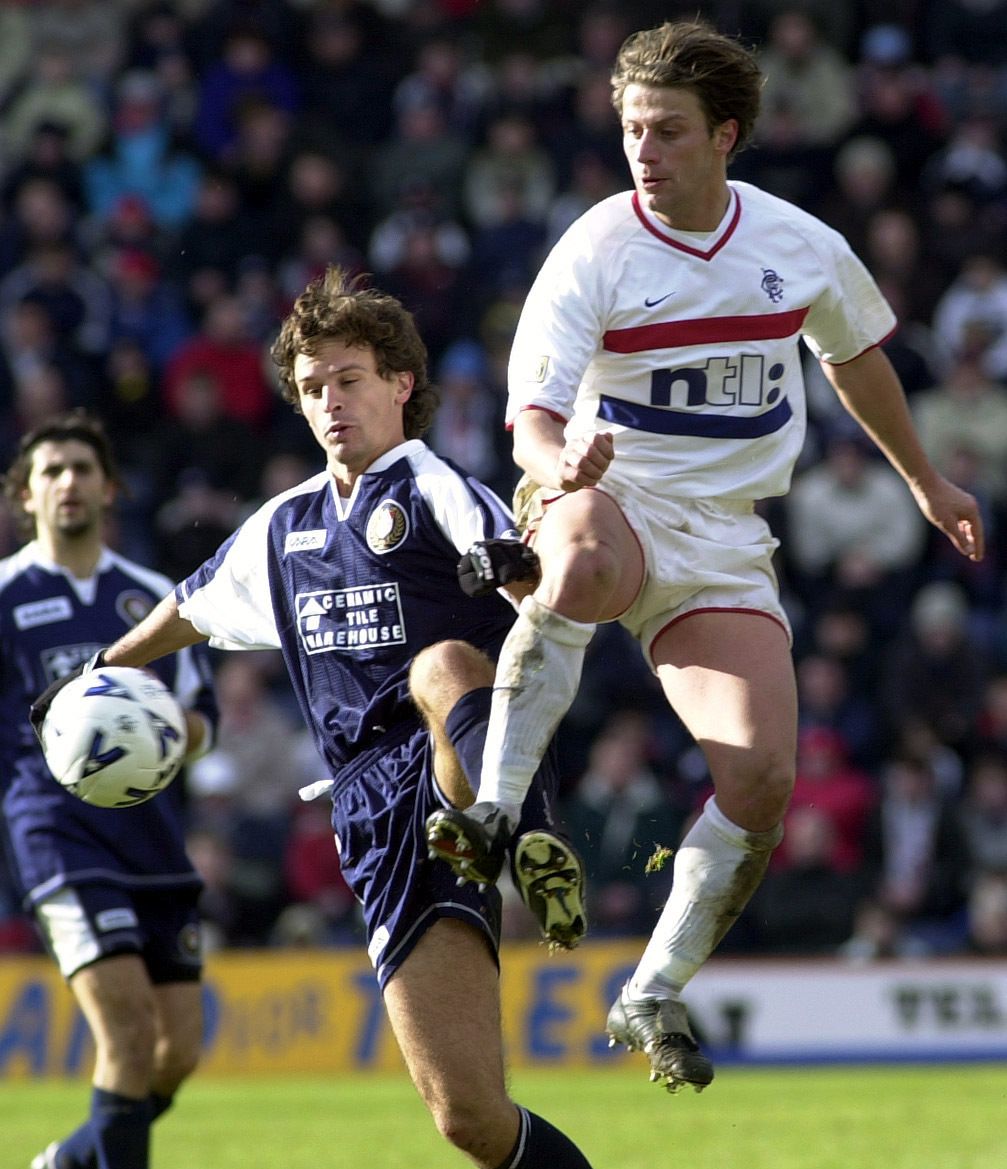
(172, 174)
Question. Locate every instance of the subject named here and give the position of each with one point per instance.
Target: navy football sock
(466, 728)
(540, 1146)
(77, 1150)
(121, 1128)
(159, 1105)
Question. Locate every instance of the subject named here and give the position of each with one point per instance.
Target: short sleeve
(852, 315)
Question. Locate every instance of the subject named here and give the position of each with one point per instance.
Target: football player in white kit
(655, 394)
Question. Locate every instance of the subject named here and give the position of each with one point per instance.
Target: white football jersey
(685, 347)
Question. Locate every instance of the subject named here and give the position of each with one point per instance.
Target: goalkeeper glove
(490, 564)
(40, 707)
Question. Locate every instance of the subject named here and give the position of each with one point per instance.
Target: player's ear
(109, 491)
(725, 135)
(405, 380)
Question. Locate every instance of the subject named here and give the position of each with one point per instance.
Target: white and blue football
(114, 737)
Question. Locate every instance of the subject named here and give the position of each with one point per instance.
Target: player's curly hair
(722, 72)
(74, 426)
(338, 307)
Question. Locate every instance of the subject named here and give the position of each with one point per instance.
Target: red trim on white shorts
(711, 609)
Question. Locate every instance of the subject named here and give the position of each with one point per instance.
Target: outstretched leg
(592, 569)
(730, 678)
(448, 1030)
(547, 872)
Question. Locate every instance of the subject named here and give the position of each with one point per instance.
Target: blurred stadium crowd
(172, 174)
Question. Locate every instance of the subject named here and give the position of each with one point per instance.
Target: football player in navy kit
(112, 890)
(655, 393)
(354, 576)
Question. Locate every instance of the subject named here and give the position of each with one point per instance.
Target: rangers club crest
(772, 285)
(387, 527)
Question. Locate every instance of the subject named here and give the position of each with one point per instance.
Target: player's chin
(335, 446)
(74, 526)
(652, 198)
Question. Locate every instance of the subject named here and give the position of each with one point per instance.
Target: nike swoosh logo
(654, 303)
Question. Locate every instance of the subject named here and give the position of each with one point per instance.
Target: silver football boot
(660, 1028)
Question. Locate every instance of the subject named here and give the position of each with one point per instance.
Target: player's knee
(448, 666)
(128, 1052)
(176, 1055)
(579, 578)
(174, 1063)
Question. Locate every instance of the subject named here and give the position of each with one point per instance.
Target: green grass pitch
(941, 1117)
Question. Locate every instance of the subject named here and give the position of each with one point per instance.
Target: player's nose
(647, 147)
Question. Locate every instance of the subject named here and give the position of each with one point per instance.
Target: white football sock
(717, 869)
(536, 680)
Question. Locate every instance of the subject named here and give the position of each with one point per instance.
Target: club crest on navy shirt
(132, 606)
(387, 526)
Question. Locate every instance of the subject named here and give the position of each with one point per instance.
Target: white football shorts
(699, 555)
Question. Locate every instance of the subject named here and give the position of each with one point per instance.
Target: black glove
(40, 707)
(489, 564)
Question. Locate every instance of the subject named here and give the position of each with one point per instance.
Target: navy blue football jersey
(50, 622)
(351, 589)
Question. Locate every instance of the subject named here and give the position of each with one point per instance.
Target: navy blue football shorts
(82, 924)
(379, 810)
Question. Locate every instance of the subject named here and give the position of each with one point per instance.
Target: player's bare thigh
(730, 678)
(444, 1008)
(592, 562)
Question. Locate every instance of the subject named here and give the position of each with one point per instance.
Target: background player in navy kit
(112, 890)
(655, 393)
(353, 574)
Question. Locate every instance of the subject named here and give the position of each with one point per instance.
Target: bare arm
(869, 389)
(541, 450)
(161, 632)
